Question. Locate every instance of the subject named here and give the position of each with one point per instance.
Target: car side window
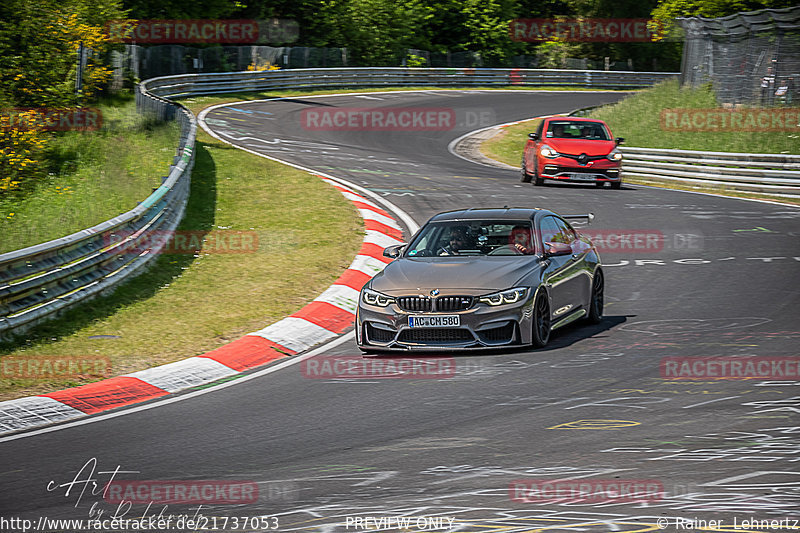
(548, 229)
(555, 229)
(565, 232)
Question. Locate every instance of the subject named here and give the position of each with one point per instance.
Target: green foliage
(38, 49)
(667, 10)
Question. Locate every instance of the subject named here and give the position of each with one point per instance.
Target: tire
(616, 184)
(536, 179)
(524, 177)
(599, 184)
(595, 315)
(540, 329)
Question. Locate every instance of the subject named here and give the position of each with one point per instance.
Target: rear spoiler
(589, 217)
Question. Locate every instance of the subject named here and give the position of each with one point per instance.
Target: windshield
(562, 129)
(475, 237)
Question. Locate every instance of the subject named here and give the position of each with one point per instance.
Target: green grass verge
(507, 145)
(637, 119)
(185, 305)
(92, 177)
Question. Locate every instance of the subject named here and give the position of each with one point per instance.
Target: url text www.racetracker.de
(160, 522)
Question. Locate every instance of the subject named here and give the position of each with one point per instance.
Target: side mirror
(619, 140)
(557, 248)
(533, 136)
(394, 251)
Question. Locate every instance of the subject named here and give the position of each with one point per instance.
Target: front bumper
(482, 326)
(564, 171)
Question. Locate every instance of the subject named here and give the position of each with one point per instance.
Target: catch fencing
(750, 58)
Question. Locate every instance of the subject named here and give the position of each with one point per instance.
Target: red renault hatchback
(572, 149)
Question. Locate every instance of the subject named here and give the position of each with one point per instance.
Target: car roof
(492, 213)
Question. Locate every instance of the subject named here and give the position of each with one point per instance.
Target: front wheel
(616, 184)
(541, 321)
(536, 179)
(595, 315)
(524, 176)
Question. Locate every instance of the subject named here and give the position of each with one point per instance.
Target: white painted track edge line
(451, 149)
(407, 220)
(405, 217)
(293, 360)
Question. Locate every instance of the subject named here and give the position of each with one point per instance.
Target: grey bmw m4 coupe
(482, 278)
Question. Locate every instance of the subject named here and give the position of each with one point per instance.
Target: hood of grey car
(469, 273)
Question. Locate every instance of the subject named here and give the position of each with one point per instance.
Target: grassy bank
(637, 119)
(187, 305)
(91, 177)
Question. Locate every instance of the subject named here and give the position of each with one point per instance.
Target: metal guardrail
(764, 173)
(37, 281)
(199, 84)
(40, 280)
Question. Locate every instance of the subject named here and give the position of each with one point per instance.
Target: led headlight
(505, 297)
(615, 155)
(376, 298)
(548, 152)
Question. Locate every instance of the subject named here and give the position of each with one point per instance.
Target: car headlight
(510, 296)
(376, 298)
(615, 155)
(548, 152)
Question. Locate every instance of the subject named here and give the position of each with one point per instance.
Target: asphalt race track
(721, 280)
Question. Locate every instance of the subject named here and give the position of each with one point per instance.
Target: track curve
(593, 405)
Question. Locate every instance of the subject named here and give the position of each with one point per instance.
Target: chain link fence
(144, 62)
(750, 58)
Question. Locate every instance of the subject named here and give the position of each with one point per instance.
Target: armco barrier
(37, 281)
(198, 84)
(763, 173)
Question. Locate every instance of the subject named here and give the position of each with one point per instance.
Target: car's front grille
(423, 335)
(441, 304)
(582, 159)
(378, 334)
(499, 334)
(414, 303)
(453, 303)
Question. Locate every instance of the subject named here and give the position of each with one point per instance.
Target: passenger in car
(520, 239)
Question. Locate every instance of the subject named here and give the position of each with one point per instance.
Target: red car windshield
(591, 131)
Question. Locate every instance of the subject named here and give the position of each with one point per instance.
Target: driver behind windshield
(459, 239)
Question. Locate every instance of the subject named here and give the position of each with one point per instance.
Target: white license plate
(442, 321)
(582, 177)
